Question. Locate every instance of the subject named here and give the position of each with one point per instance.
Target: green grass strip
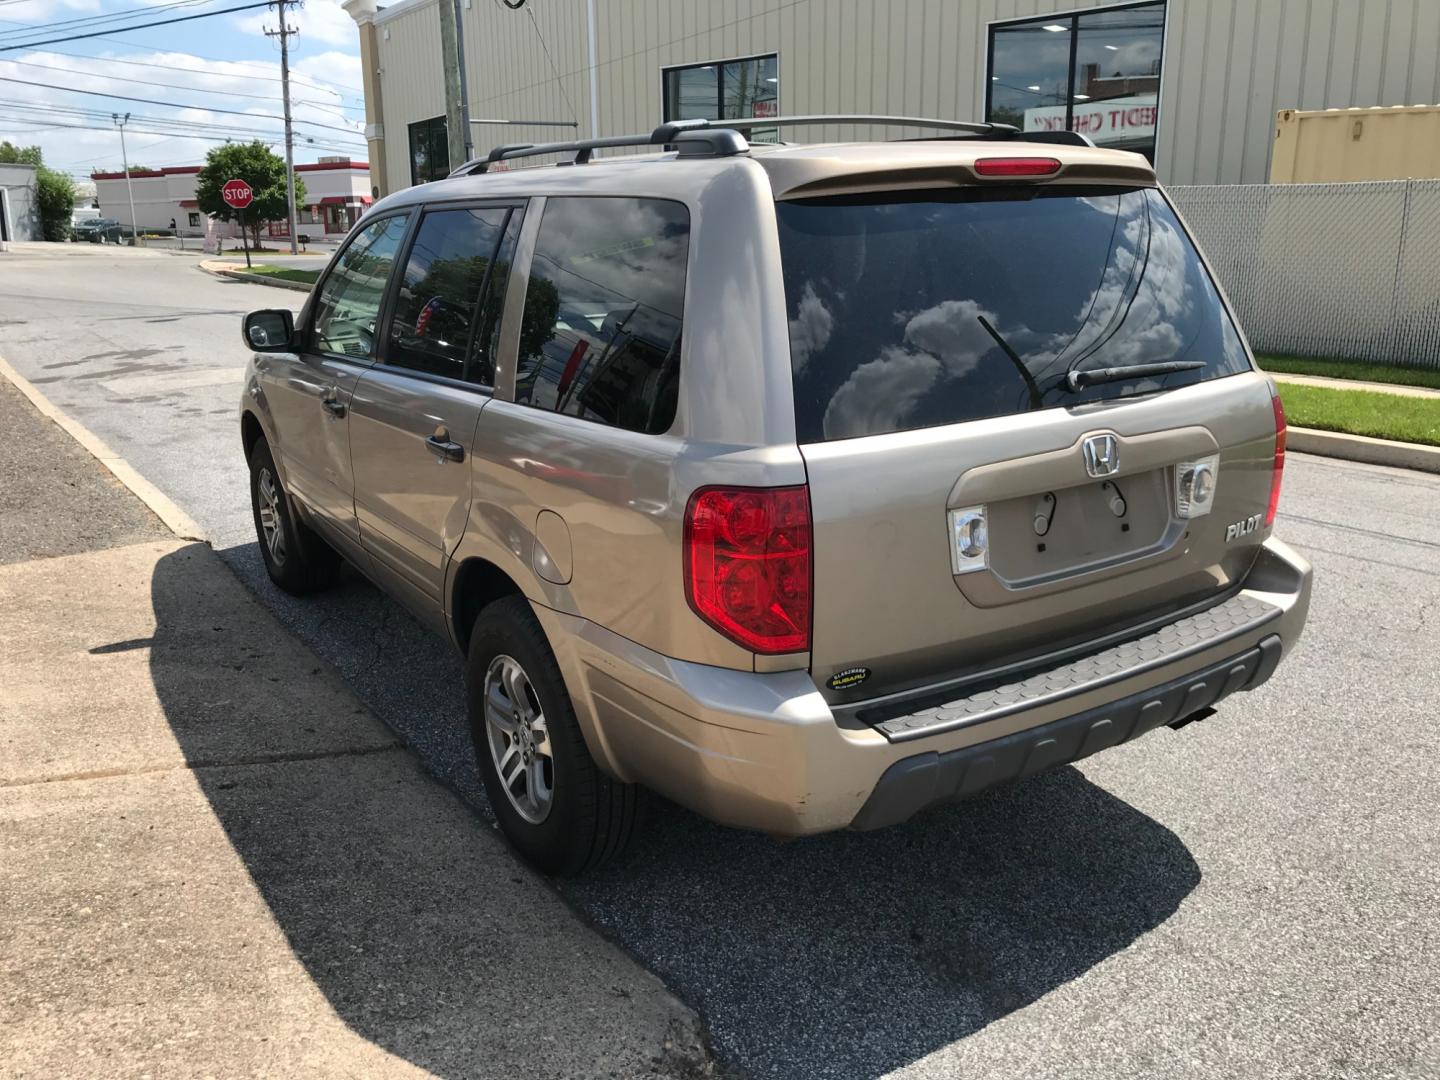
(285, 273)
(1363, 412)
(1352, 369)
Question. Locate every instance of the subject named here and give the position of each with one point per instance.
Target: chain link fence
(1345, 271)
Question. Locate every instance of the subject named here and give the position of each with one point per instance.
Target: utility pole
(120, 122)
(285, 32)
(464, 91)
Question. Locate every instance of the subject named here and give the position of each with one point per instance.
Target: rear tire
(559, 810)
(296, 558)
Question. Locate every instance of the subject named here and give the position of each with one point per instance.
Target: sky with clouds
(206, 80)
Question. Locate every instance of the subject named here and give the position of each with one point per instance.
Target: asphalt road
(1257, 895)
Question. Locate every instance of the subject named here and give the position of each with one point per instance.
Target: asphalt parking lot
(1256, 895)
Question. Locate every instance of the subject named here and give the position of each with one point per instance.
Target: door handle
(333, 406)
(442, 446)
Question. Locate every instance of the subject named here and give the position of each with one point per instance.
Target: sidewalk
(215, 861)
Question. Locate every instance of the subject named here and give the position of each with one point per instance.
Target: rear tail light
(1279, 470)
(747, 565)
(1016, 166)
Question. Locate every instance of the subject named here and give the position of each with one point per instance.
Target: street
(1255, 895)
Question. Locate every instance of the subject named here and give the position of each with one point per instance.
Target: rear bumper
(764, 751)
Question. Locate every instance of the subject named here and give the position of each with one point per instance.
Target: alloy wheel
(519, 739)
(273, 528)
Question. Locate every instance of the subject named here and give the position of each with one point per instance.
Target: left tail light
(747, 565)
(1279, 468)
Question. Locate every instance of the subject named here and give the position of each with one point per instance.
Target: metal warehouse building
(1194, 84)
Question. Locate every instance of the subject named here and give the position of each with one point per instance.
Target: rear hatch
(975, 503)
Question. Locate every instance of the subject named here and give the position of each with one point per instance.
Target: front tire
(296, 558)
(553, 803)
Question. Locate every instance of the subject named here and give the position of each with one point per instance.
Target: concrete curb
(224, 270)
(175, 519)
(1334, 444)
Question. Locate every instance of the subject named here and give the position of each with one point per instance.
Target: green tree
(55, 192)
(10, 154)
(263, 170)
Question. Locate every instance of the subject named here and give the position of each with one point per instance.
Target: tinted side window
(439, 303)
(601, 332)
(350, 297)
(487, 340)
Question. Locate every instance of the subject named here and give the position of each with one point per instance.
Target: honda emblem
(1102, 455)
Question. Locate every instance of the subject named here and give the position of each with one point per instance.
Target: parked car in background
(99, 231)
(960, 469)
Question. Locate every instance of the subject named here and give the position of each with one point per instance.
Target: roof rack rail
(721, 138)
(968, 127)
(691, 138)
(973, 127)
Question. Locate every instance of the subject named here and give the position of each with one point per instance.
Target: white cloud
(29, 113)
(337, 69)
(810, 329)
(51, 11)
(322, 21)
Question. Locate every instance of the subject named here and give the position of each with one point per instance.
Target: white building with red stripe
(337, 190)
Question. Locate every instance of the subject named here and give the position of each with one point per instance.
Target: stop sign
(237, 194)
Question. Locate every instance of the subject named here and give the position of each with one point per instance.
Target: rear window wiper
(1031, 386)
(1078, 380)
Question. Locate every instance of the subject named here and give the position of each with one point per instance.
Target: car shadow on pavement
(854, 954)
(845, 955)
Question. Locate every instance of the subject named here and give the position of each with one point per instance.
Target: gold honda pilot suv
(807, 485)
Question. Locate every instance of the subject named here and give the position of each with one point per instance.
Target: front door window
(349, 302)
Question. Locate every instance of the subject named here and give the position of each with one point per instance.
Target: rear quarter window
(916, 310)
(600, 337)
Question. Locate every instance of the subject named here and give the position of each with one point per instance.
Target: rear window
(911, 311)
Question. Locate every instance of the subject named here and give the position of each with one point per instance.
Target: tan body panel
(766, 752)
(881, 543)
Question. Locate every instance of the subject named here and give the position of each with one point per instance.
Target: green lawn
(285, 273)
(1363, 412)
(1352, 369)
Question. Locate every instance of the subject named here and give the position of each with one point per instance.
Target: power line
(138, 26)
(330, 106)
(315, 83)
(89, 21)
(172, 105)
(546, 49)
(166, 125)
(38, 127)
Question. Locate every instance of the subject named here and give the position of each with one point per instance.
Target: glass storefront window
(429, 151)
(1095, 72)
(725, 90)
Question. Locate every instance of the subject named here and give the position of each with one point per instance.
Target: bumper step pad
(1168, 643)
(916, 783)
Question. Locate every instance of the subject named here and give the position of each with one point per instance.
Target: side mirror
(271, 330)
